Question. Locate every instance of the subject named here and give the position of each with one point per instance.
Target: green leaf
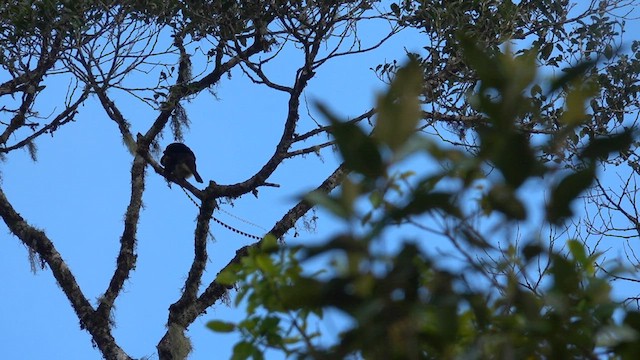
(600, 148)
(571, 74)
(546, 50)
(399, 109)
(359, 151)
(566, 191)
(270, 325)
(243, 350)
(328, 203)
(347, 243)
(633, 320)
(221, 326)
(269, 243)
(376, 199)
(609, 52)
(349, 192)
(305, 293)
(511, 153)
(577, 251)
(531, 251)
(629, 346)
(575, 103)
(566, 279)
(291, 340)
(366, 218)
(265, 263)
(503, 199)
(228, 276)
(422, 202)
(482, 63)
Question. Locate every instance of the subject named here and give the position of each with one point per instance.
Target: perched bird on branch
(179, 162)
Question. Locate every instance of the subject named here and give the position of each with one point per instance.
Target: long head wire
(228, 227)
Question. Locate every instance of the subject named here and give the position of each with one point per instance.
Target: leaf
(609, 52)
(422, 202)
(580, 255)
(577, 250)
(575, 104)
(571, 74)
(376, 199)
(305, 293)
(629, 346)
(396, 9)
(545, 51)
(269, 325)
(359, 151)
(269, 243)
(221, 326)
(503, 199)
(349, 192)
(265, 263)
(227, 277)
(399, 109)
(600, 148)
(566, 191)
(482, 63)
(531, 251)
(328, 203)
(633, 320)
(511, 153)
(340, 242)
(243, 350)
(566, 279)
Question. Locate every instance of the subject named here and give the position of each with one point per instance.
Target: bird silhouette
(180, 162)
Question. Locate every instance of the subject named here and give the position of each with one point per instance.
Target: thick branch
(175, 326)
(216, 291)
(126, 256)
(194, 278)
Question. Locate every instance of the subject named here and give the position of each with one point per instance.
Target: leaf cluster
(405, 303)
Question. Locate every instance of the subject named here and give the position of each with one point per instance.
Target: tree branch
(126, 256)
(216, 291)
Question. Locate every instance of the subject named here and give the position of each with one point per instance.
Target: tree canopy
(497, 125)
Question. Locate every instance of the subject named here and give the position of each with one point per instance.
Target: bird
(179, 162)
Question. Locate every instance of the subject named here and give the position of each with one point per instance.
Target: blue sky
(78, 190)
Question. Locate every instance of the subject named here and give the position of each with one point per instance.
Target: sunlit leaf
(227, 276)
(269, 243)
(265, 263)
(577, 250)
(221, 326)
